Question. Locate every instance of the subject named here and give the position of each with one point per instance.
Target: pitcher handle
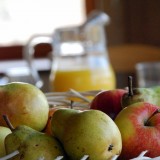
(28, 54)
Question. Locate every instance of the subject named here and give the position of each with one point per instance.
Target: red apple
(108, 101)
(139, 125)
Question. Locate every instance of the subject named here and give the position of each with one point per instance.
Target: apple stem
(5, 117)
(130, 87)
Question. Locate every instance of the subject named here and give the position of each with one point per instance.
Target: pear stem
(130, 87)
(72, 104)
(5, 117)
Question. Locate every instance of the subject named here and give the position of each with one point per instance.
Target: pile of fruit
(121, 124)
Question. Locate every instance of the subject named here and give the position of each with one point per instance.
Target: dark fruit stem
(5, 117)
(130, 87)
(72, 104)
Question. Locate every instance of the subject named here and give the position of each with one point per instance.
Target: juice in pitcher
(83, 80)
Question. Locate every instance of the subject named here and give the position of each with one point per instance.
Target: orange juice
(83, 80)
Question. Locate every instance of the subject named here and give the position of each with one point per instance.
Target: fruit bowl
(71, 98)
(140, 157)
(82, 100)
(77, 100)
(85, 157)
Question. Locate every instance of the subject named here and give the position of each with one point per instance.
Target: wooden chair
(124, 58)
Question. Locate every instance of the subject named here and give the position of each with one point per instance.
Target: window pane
(20, 19)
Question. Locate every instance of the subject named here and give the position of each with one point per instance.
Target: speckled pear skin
(32, 145)
(90, 133)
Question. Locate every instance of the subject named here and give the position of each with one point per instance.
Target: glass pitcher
(79, 59)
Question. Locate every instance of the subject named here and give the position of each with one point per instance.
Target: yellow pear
(24, 104)
(89, 132)
(32, 144)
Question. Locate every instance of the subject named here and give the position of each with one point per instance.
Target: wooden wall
(133, 21)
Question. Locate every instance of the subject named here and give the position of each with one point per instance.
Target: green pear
(4, 131)
(32, 144)
(89, 132)
(134, 95)
(60, 119)
(45, 148)
(18, 135)
(140, 95)
(24, 104)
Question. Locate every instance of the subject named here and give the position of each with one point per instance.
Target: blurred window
(20, 19)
